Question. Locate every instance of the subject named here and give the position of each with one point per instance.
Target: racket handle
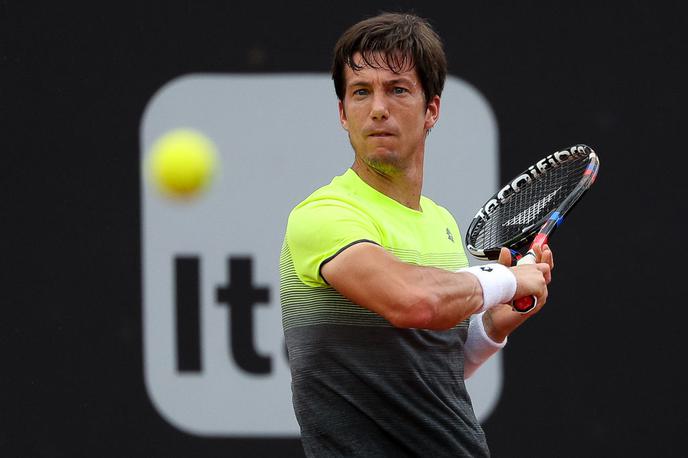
(527, 303)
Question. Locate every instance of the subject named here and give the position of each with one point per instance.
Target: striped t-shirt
(360, 386)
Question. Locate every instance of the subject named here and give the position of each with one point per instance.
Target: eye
(361, 92)
(399, 90)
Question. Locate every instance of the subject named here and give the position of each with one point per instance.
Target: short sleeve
(319, 230)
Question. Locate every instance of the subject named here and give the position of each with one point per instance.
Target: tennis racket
(527, 210)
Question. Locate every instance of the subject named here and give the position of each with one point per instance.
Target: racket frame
(530, 235)
(539, 231)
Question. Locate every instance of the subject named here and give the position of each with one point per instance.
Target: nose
(379, 110)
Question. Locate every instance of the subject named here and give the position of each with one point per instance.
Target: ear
(342, 116)
(432, 113)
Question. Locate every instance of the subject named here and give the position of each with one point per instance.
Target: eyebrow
(362, 82)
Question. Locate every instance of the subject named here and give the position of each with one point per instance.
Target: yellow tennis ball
(182, 162)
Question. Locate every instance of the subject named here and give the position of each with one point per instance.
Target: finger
(548, 276)
(547, 256)
(537, 249)
(550, 257)
(543, 267)
(505, 257)
(543, 299)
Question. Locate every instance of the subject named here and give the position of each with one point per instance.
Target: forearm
(491, 285)
(412, 296)
(429, 298)
(407, 295)
(458, 295)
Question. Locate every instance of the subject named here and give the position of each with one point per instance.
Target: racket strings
(529, 215)
(534, 202)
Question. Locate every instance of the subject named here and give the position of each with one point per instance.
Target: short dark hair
(396, 41)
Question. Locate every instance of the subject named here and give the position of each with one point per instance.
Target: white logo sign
(214, 356)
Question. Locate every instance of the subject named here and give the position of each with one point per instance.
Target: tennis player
(382, 316)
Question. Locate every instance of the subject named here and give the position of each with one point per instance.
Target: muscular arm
(412, 296)
(407, 295)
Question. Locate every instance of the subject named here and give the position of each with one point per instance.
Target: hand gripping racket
(527, 210)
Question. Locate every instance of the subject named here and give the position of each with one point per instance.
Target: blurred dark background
(596, 374)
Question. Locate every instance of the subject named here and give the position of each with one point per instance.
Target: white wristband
(497, 281)
(479, 346)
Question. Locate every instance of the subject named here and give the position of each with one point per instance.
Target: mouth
(380, 134)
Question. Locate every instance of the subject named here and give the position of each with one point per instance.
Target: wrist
(480, 345)
(498, 284)
(495, 334)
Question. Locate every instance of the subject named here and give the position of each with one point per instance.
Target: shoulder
(333, 212)
(323, 206)
(431, 206)
(323, 224)
(335, 202)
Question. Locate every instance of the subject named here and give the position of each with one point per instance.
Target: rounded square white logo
(214, 356)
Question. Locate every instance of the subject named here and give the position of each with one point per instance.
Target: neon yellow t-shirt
(349, 211)
(359, 383)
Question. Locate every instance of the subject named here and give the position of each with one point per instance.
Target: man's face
(386, 116)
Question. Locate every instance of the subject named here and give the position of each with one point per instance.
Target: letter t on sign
(240, 295)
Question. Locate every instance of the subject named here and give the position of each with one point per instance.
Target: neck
(404, 186)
